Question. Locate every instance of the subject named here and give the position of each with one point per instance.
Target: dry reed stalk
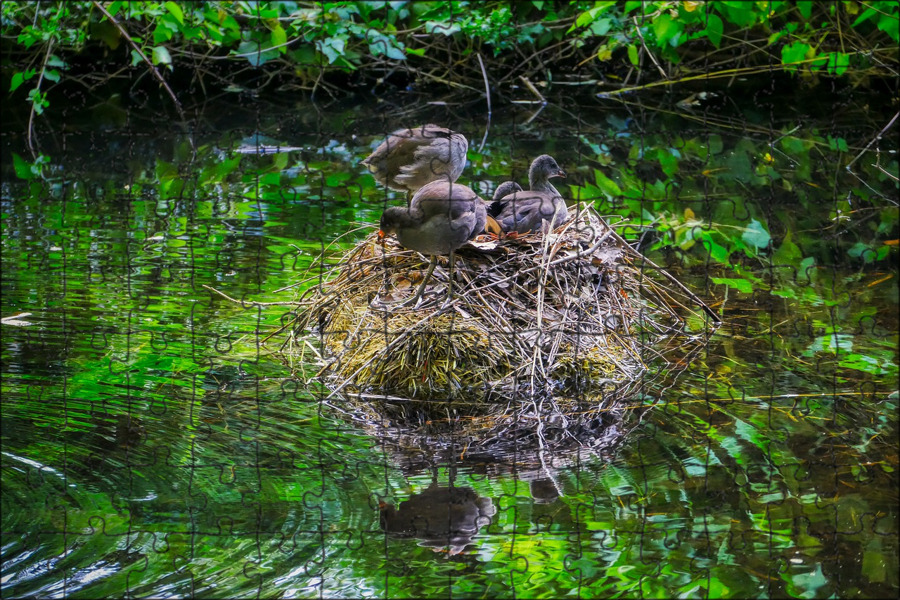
(533, 319)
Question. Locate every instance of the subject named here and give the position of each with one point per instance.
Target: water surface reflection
(152, 447)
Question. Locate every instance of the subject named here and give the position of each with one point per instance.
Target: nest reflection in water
(542, 328)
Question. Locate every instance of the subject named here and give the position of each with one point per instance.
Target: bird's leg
(449, 282)
(450, 276)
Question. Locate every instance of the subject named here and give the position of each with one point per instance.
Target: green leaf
(597, 150)
(332, 48)
(738, 12)
(255, 54)
(447, 29)
(279, 37)
(714, 29)
(741, 285)
(161, 56)
(163, 33)
(176, 11)
(601, 26)
(667, 30)
(633, 55)
(889, 25)
(20, 78)
(607, 185)
(756, 235)
(382, 44)
(805, 8)
(837, 143)
(306, 56)
(51, 75)
(27, 39)
(867, 14)
(587, 17)
(838, 62)
(22, 167)
(17, 80)
(38, 100)
(794, 52)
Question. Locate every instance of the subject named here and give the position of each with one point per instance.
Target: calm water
(153, 447)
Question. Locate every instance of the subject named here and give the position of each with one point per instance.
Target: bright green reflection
(151, 446)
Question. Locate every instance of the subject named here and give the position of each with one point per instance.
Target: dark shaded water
(152, 447)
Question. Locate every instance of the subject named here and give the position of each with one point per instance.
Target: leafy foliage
(311, 44)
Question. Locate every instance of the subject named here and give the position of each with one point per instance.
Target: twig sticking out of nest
(537, 316)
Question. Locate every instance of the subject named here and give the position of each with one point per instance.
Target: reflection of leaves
(741, 285)
(807, 272)
(833, 343)
(22, 167)
(683, 169)
(739, 166)
(875, 362)
(756, 235)
(718, 252)
(219, 171)
(788, 253)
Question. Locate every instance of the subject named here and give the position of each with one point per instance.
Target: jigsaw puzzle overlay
(397, 342)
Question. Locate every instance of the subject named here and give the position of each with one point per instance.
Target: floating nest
(538, 326)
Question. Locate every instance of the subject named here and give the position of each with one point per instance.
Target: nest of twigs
(540, 318)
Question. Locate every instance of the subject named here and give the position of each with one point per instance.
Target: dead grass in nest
(552, 317)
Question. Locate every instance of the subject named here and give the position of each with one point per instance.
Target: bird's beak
(561, 173)
(381, 235)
